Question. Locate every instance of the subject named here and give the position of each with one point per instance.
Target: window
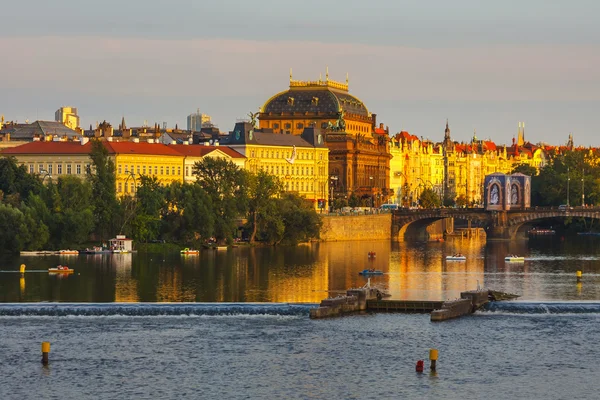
(69, 172)
(31, 169)
(172, 170)
(125, 186)
(119, 168)
(288, 126)
(59, 169)
(40, 167)
(187, 171)
(119, 187)
(132, 186)
(144, 169)
(50, 169)
(162, 170)
(78, 169)
(178, 171)
(299, 125)
(323, 125)
(167, 170)
(155, 170)
(275, 126)
(138, 169)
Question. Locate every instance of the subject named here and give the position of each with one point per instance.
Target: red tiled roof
(50, 148)
(489, 145)
(76, 147)
(406, 135)
(200, 151)
(380, 131)
(157, 149)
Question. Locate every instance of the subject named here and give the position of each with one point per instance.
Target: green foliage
(13, 229)
(187, 215)
(429, 199)
(262, 190)
(301, 221)
(15, 181)
(461, 201)
(143, 212)
(104, 193)
(353, 201)
(524, 169)
(226, 185)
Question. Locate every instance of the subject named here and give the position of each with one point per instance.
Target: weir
(371, 299)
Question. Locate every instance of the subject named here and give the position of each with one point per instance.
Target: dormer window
(290, 101)
(314, 101)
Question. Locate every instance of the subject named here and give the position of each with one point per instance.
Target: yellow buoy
(433, 354)
(579, 274)
(22, 268)
(45, 351)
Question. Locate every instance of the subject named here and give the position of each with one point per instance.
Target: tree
(525, 170)
(145, 209)
(104, 192)
(187, 213)
(461, 201)
(300, 219)
(429, 199)
(262, 189)
(13, 230)
(225, 184)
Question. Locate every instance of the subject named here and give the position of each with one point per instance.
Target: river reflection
(309, 273)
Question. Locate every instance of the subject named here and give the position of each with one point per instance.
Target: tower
(521, 134)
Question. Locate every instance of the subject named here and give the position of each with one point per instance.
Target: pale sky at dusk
(483, 65)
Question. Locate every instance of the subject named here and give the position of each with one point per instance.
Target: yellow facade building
(195, 153)
(299, 161)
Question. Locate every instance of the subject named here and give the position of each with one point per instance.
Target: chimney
(381, 125)
(374, 119)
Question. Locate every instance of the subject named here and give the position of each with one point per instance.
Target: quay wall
(357, 227)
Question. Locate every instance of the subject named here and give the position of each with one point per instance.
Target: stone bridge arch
(413, 224)
(518, 220)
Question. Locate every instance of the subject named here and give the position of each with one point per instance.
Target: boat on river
(456, 257)
(514, 258)
(370, 272)
(61, 269)
(188, 251)
(96, 250)
(68, 252)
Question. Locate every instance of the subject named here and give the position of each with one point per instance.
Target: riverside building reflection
(310, 273)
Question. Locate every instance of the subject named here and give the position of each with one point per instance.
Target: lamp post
(45, 174)
(582, 189)
(333, 179)
(568, 184)
(130, 174)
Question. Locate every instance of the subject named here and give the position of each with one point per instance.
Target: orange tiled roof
(200, 151)
(50, 147)
(157, 149)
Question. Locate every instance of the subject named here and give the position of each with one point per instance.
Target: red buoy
(420, 366)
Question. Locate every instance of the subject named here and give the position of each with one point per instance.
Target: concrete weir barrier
(468, 303)
(354, 300)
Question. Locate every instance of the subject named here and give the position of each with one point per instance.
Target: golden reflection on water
(310, 273)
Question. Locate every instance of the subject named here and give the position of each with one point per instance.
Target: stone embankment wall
(357, 227)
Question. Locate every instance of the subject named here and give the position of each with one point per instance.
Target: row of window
(121, 186)
(300, 155)
(147, 170)
(60, 169)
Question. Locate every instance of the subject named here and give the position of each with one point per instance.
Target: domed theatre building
(359, 152)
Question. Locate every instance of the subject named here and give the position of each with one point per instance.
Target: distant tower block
(67, 116)
(197, 121)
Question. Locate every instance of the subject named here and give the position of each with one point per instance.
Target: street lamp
(333, 179)
(568, 185)
(130, 174)
(45, 174)
(582, 189)
(371, 191)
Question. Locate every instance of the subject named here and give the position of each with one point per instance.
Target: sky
(482, 65)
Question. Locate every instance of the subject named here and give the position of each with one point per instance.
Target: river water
(234, 324)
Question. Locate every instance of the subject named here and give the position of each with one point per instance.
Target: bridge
(497, 224)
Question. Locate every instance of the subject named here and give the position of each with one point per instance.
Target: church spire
(122, 127)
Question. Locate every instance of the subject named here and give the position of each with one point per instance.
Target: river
(234, 324)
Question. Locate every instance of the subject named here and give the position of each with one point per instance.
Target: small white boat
(514, 258)
(187, 251)
(221, 247)
(456, 257)
(61, 270)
